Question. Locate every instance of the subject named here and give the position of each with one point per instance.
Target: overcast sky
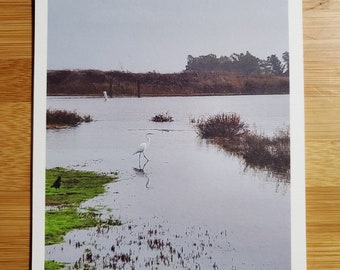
(158, 35)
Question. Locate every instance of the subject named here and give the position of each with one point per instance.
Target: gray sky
(147, 35)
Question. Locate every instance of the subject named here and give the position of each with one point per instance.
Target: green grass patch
(53, 265)
(76, 187)
(59, 222)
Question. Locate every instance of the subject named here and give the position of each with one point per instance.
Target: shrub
(228, 126)
(65, 118)
(271, 154)
(257, 150)
(162, 117)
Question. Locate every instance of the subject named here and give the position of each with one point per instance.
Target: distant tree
(208, 62)
(242, 63)
(275, 65)
(203, 63)
(190, 63)
(245, 63)
(225, 63)
(285, 58)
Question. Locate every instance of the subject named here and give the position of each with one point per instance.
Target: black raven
(57, 183)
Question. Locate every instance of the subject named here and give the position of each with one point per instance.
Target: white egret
(105, 95)
(141, 148)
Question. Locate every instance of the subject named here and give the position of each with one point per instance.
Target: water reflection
(281, 181)
(281, 174)
(141, 173)
(280, 177)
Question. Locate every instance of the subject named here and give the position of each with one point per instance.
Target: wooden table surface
(322, 124)
(322, 110)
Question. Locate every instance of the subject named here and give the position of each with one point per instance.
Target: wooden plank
(322, 81)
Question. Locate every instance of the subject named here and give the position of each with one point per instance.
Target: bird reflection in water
(141, 173)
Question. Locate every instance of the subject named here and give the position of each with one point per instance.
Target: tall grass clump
(258, 151)
(228, 126)
(56, 118)
(162, 117)
(268, 153)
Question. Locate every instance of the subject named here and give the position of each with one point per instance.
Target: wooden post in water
(138, 88)
(110, 89)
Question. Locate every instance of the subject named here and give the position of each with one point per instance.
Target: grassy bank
(258, 151)
(76, 187)
(63, 118)
(119, 83)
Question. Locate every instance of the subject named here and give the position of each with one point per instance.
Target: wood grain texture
(15, 130)
(322, 123)
(322, 107)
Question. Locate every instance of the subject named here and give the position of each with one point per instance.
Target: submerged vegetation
(162, 117)
(153, 248)
(76, 187)
(62, 118)
(258, 151)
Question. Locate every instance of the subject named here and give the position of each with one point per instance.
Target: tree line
(239, 74)
(119, 83)
(242, 63)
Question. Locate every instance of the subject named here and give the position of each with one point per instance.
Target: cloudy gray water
(192, 196)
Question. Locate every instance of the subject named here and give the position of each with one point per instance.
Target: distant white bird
(105, 95)
(141, 148)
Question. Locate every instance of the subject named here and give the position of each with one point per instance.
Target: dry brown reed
(258, 151)
(55, 118)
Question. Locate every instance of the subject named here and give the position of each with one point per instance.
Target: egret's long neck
(148, 138)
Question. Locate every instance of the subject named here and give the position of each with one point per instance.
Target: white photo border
(39, 135)
(297, 133)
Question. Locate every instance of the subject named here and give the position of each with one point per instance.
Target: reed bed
(60, 118)
(228, 126)
(258, 151)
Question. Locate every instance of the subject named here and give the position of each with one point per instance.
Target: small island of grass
(76, 187)
(162, 117)
(53, 265)
(63, 118)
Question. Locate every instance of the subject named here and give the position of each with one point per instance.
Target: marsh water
(192, 205)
